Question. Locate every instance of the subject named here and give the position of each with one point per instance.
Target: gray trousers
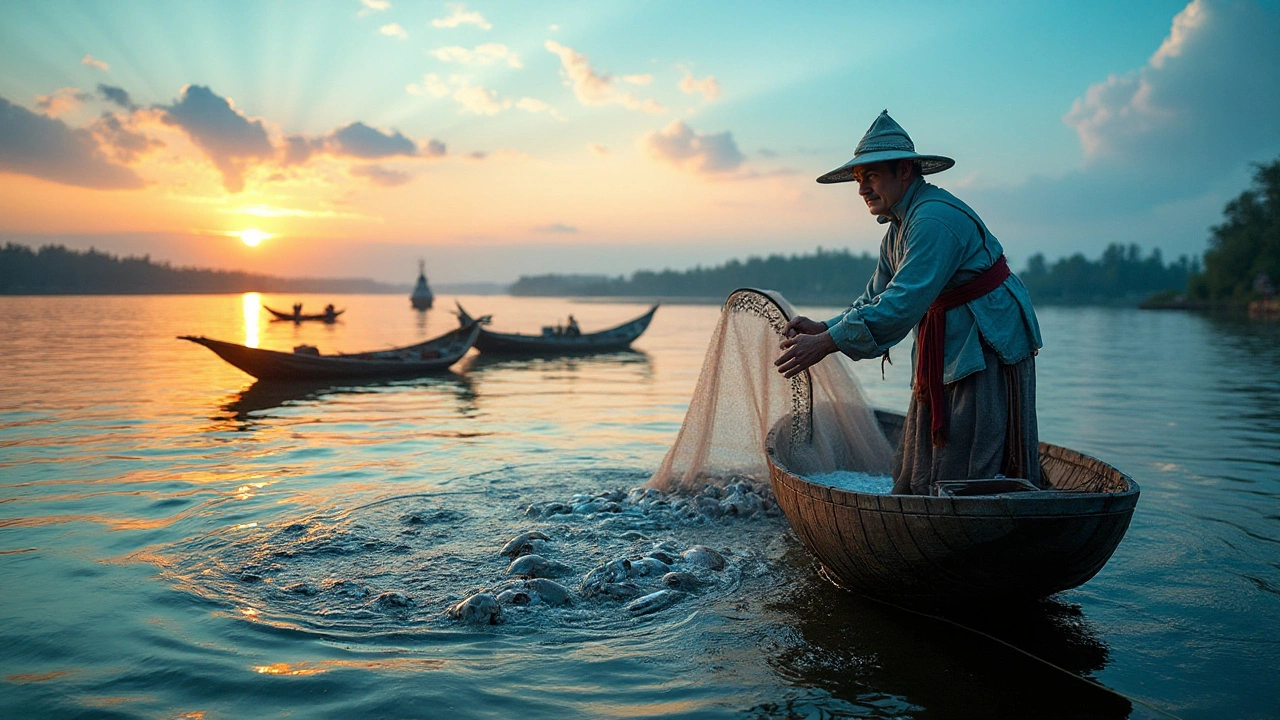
(992, 431)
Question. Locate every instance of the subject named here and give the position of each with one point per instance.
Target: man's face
(882, 184)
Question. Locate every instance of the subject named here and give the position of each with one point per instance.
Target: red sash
(933, 335)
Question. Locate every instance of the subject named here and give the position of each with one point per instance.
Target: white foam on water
(854, 481)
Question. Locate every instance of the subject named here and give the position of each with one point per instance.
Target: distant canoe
(427, 357)
(322, 317)
(1004, 545)
(615, 338)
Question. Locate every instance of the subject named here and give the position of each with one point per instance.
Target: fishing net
(820, 415)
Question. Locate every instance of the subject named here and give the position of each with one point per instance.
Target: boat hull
(975, 549)
(613, 339)
(303, 318)
(435, 355)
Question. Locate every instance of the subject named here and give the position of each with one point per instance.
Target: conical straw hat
(886, 140)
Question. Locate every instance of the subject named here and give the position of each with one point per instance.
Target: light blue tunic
(936, 243)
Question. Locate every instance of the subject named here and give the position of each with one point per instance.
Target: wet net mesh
(820, 416)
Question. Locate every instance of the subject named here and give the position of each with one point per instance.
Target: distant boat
(421, 297)
(306, 363)
(322, 317)
(549, 343)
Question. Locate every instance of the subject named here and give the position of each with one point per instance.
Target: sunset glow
(253, 237)
(611, 137)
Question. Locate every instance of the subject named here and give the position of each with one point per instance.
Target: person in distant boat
(572, 329)
(297, 309)
(329, 312)
(973, 407)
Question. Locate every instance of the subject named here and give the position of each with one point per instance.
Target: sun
(253, 236)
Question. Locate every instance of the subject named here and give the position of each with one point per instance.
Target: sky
(352, 138)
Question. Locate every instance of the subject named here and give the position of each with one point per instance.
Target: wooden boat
(304, 363)
(983, 540)
(548, 343)
(323, 317)
(422, 298)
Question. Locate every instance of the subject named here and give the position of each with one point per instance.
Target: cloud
(645, 79)
(44, 147)
(1201, 99)
(116, 96)
(680, 145)
(597, 149)
(486, 54)
(431, 85)
(94, 62)
(381, 176)
(593, 88)
(361, 141)
(228, 138)
(708, 86)
(127, 145)
(394, 30)
(558, 228)
(553, 28)
(1165, 145)
(532, 105)
(474, 98)
(373, 6)
(460, 16)
(480, 101)
(61, 101)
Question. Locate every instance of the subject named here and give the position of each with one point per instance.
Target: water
(178, 541)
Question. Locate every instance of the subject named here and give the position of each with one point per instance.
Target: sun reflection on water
(252, 313)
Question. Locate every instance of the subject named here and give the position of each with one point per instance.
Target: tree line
(1121, 275)
(54, 270)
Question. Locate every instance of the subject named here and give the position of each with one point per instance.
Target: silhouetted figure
(297, 310)
(572, 330)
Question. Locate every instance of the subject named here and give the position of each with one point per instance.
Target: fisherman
(973, 407)
(297, 310)
(572, 329)
(329, 312)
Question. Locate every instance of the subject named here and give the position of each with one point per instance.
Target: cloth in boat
(740, 397)
(993, 430)
(936, 244)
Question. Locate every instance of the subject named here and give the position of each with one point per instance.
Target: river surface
(178, 541)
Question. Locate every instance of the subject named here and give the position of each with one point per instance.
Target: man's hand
(802, 351)
(803, 326)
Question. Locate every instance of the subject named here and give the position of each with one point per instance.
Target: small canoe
(305, 363)
(615, 338)
(977, 541)
(322, 317)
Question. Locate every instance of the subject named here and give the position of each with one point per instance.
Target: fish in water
(614, 571)
(653, 602)
(479, 609)
(533, 592)
(680, 580)
(703, 556)
(533, 566)
(524, 544)
(648, 566)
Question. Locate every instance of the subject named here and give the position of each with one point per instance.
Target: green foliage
(838, 277)
(825, 275)
(1246, 244)
(53, 269)
(1121, 275)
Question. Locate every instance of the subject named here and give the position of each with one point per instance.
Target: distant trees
(54, 269)
(1245, 245)
(1121, 275)
(836, 275)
